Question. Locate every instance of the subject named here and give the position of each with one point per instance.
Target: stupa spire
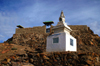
(62, 14)
(62, 17)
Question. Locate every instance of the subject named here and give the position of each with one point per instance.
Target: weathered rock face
(27, 37)
(34, 40)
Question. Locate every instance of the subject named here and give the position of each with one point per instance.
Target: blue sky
(30, 13)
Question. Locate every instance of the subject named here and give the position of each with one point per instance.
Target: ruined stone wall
(31, 30)
(82, 28)
(77, 29)
(42, 29)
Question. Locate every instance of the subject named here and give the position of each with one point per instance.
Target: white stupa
(61, 40)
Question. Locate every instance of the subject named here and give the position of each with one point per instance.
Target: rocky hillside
(33, 46)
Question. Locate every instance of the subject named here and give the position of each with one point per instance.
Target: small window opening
(56, 40)
(71, 42)
(47, 30)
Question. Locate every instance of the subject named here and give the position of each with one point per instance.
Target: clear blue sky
(30, 13)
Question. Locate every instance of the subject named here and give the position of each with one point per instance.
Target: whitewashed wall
(51, 47)
(68, 46)
(63, 45)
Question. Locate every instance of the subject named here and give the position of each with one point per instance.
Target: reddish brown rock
(4, 62)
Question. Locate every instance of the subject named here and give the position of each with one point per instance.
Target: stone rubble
(52, 59)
